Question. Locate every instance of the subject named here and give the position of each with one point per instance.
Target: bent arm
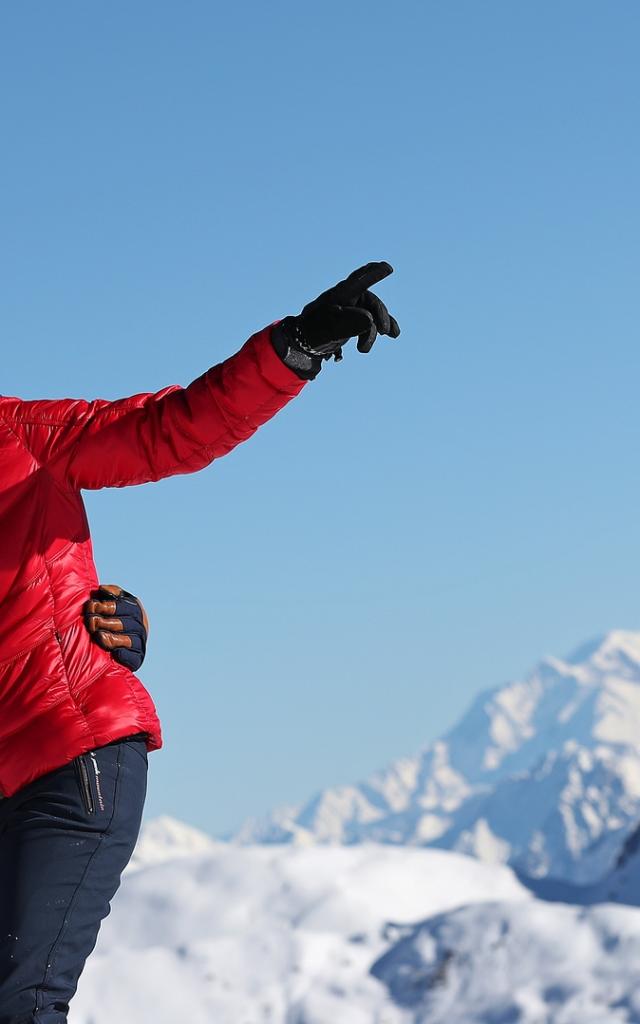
(151, 436)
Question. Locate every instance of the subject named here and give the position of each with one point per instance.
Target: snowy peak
(165, 838)
(616, 653)
(562, 741)
(593, 696)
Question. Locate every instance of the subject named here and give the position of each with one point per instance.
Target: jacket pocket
(84, 783)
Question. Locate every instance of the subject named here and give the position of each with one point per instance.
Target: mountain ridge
(562, 739)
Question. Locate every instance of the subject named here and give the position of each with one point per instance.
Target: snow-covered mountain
(369, 934)
(562, 743)
(165, 838)
(619, 885)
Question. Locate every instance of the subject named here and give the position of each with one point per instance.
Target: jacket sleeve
(151, 436)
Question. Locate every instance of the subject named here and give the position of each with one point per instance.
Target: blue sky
(422, 522)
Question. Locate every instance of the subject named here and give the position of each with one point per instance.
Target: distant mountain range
(542, 774)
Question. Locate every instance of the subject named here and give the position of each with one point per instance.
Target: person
(77, 723)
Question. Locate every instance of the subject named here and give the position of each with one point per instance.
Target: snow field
(249, 935)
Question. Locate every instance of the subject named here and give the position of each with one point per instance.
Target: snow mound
(525, 963)
(270, 934)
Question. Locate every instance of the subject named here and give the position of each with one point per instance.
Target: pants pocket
(84, 783)
(88, 773)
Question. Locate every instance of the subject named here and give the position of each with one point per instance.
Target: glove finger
(98, 622)
(137, 643)
(346, 292)
(130, 659)
(102, 601)
(329, 324)
(128, 605)
(132, 625)
(359, 281)
(351, 321)
(112, 641)
(108, 592)
(96, 607)
(132, 656)
(366, 340)
(395, 327)
(378, 311)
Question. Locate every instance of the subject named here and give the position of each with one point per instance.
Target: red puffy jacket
(61, 694)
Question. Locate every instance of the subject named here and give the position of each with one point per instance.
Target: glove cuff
(287, 340)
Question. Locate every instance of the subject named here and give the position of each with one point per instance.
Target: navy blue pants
(64, 841)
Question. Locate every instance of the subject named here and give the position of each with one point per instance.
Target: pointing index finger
(360, 281)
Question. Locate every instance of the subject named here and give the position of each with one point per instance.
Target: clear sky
(421, 522)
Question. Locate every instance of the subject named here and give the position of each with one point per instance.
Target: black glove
(345, 311)
(118, 623)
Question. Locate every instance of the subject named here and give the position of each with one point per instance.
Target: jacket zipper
(85, 785)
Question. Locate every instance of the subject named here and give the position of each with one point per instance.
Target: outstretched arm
(151, 436)
(180, 430)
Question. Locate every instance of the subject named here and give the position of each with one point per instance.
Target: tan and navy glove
(118, 623)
